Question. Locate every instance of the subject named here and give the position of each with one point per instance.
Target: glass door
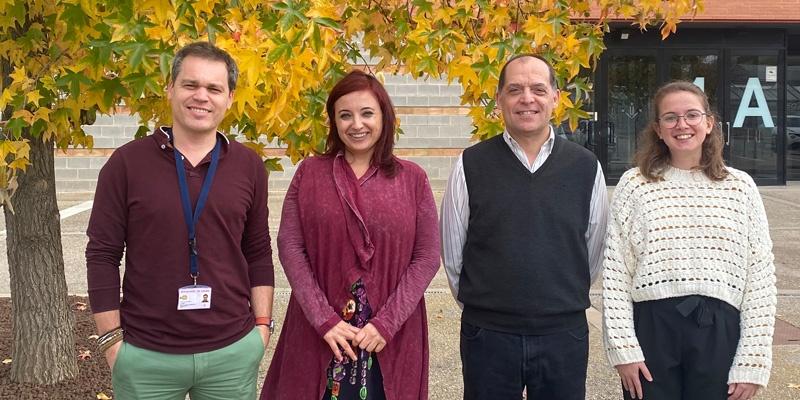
(752, 119)
(703, 68)
(792, 139)
(632, 79)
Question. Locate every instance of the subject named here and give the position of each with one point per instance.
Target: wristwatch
(268, 322)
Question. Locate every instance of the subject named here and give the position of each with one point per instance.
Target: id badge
(194, 297)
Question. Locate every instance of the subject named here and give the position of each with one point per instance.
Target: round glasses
(692, 118)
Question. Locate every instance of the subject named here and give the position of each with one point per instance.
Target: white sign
(752, 90)
(772, 73)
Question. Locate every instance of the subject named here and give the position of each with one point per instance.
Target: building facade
(744, 54)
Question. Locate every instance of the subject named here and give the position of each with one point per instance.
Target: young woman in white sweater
(689, 283)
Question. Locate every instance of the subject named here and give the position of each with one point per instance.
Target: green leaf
(110, 88)
(186, 10)
(596, 44)
(423, 6)
(293, 13)
(214, 25)
(15, 125)
(164, 63)
(484, 68)
(72, 81)
(140, 81)
(316, 39)
(429, 65)
(489, 107)
(282, 50)
(189, 29)
(137, 52)
(99, 52)
(558, 20)
(73, 15)
(15, 11)
(503, 47)
(121, 10)
(38, 127)
(330, 23)
(273, 164)
(143, 131)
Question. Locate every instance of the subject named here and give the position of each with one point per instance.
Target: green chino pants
(223, 374)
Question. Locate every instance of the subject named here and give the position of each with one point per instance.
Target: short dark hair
(356, 81)
(502, 80)
(206, 51)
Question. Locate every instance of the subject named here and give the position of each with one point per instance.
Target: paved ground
(783, 209)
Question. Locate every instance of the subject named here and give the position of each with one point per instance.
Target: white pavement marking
(68, 212)
(76, 209)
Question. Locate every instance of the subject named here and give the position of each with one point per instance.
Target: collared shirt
(455, 213)
(137, 211)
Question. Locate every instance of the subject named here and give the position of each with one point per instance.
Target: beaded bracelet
(109, 339)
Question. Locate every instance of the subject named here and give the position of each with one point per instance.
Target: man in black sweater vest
(523, 224)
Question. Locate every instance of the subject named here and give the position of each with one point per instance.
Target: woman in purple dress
(359, 243)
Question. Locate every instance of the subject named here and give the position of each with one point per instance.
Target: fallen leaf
(103, 396)
(79, 306)
(85, 355)
(93, 337)
(7, 361)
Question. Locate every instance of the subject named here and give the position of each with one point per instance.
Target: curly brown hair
(652, 155)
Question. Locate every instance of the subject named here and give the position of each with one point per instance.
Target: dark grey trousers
(688, 344)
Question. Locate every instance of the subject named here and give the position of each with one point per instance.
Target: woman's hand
(369, 339)
(742, 391)
(340, 336)
(629, 374)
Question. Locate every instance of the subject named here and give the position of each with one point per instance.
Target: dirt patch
(94, 376)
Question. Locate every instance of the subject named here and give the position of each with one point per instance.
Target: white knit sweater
(687, 235)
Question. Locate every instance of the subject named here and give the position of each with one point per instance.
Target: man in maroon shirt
(188, 208)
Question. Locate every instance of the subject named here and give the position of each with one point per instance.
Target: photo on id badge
(194, 297)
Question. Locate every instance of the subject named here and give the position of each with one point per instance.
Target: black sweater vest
(525, 267)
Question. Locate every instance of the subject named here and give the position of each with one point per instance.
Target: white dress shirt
(455, 213)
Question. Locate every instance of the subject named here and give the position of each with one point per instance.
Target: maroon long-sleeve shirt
(137, 209)
(336, 229)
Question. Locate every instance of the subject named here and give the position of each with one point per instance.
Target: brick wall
(750, 10)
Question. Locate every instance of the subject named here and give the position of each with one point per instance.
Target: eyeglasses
(692, 118)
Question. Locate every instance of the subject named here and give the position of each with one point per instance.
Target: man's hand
(629, 374)
(742, 391)
(111, 354)
(340, 336)
(369, 339)
(263, 330)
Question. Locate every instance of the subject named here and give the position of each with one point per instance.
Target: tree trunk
(43, 349)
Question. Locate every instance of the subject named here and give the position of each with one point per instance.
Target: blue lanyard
(191, 220)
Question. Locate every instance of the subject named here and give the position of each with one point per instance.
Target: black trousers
(688, 344)
(497, 365)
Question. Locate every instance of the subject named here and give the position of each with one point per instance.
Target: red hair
(356, 81)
